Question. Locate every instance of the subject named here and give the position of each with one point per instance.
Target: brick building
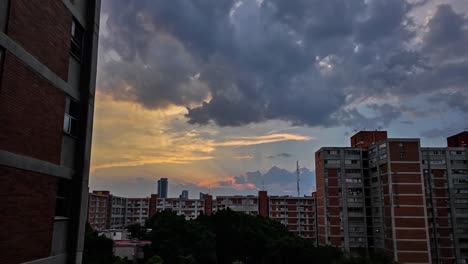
(340, 195)
(391, 195)
(99, 210)
(297, 213)
(446, 182)
(48, 52)
(106, 211)
(190, 208)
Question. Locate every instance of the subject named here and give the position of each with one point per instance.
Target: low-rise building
(106, 211)
(190, 208)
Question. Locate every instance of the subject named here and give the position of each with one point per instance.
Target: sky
(224, 96)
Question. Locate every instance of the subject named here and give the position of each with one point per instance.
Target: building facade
(446, 182)
(190, 208)
(340, 196)
(296, 213)
(106, 211)
(48, 53)
(390, 195)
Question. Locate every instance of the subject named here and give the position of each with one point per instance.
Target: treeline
(230, 237)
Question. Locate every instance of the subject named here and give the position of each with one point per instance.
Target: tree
(97, 249)
(137, 231)
(231, 237)
(155, 260)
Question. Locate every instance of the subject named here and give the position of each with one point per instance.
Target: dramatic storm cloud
(314, 63)
(203, 91)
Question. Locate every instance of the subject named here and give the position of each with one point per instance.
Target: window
(77, 36)
(353, 180)
(333, 152)
(353, 171)
(460, 181)
(355, 209)
(383, 156)
(70, 122)
(402, 155)
(460, 162)
(354, 191)
(435, 162)
(460, 201)
(457, 152)
(382, 146)
(62, 200)
(351, 161)
(459, 172)
(332, 161)
(352, 152)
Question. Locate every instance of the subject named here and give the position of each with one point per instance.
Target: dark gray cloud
(280, 155)
(280, 180)
(306, 61)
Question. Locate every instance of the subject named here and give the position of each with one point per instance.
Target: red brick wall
(43, 28)
(208, 205)
(152, 205)
(458, 140)
(31, 113)
(320, 199)
(364, 139)
(263, 203)
(28, 206)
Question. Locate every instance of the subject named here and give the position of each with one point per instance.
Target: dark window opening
(62, 200)
(70, 121)
(77, 36)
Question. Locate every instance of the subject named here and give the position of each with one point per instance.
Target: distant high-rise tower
(162, 188)
(184, 195)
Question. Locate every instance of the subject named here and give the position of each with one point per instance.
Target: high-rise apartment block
(340, 196)
(48, 53)
(162, 188)
(446, 181)
(390, 195)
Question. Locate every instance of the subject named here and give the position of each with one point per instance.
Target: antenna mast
(297, 172)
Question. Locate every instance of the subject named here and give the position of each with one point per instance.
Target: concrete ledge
(30, 164)
(11, 46)
(58, 259)
(76, 14)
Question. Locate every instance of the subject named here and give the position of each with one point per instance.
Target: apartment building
(371, 196)
(106, 211)
(99, 210)
(48, 53)
(446, 182)
(247, 204)
(341, 216)
(397, 201)
(136, 210)
(190, 208)
(297, 213)
(393, 196)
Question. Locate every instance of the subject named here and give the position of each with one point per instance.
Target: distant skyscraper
(162, 188)
(184, 195)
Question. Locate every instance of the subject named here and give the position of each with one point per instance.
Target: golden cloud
(127, 134)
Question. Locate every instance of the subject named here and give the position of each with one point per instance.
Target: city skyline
(257, 84)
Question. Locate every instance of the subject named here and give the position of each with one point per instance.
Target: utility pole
(297, 172)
